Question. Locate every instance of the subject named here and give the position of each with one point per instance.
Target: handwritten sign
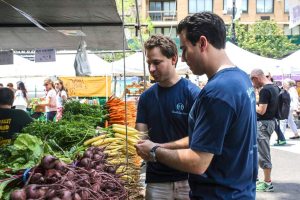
(95, 86)
(45, 55)
(6, 57)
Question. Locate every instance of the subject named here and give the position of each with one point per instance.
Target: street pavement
(285, 172)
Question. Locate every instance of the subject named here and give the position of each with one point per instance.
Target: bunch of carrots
(116, 109)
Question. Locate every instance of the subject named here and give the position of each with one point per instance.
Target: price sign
(6, 57)
(45, 55)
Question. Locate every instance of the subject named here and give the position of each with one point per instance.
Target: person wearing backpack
(266, 110)
(282, 114)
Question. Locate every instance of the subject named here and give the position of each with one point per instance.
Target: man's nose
(152, 67)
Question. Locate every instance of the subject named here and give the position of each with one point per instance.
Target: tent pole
(138, 27)
(125, 96)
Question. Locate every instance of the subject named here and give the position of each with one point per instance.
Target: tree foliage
(130, 15)
(133, 39)
(264, 38)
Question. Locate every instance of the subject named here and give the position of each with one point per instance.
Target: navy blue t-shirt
(165, 111)
(223, 122)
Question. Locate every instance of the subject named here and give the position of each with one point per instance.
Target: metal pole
(138, 30)
(233, 38)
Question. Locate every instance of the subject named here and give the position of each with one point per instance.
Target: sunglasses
(46, 84)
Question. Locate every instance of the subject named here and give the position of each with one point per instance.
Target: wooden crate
(39, 108)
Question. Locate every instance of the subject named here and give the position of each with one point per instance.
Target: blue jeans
(278, 131)
(50, 115)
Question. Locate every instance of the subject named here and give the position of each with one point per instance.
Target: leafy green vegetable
(66, 134)
(26, 152)
(94, 115)
(3, 186)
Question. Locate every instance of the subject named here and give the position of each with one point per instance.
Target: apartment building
(166, 14)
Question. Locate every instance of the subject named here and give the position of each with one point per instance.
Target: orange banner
(96, 86)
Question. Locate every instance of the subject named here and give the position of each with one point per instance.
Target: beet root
(18, 195)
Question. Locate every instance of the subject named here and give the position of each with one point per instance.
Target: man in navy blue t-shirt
(222, 156)
(163, 113)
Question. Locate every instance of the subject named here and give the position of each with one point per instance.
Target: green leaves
(28, 142)
(26, 152)
(264, 38)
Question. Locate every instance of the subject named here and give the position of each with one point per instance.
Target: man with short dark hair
(163, 113)
(221, 157)
(11, 121)
(266, 109)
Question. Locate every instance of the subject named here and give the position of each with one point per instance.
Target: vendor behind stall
(11, 121)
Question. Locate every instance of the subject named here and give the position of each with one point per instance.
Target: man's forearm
(183, 159)
(178, 144)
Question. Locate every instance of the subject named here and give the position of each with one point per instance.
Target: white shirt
(51, 95)
(59, 99)
(294, 98)
(20, 99)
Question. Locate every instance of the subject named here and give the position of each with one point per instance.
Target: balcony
(163, 15)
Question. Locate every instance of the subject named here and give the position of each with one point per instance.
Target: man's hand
(143, 148)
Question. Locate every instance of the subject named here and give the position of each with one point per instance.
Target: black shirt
(11, 122)
(268, 95)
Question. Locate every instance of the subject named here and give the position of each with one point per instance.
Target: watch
(153, 153)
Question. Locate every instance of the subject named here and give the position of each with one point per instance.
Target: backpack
(283, 107)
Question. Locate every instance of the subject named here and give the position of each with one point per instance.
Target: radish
(18, 195)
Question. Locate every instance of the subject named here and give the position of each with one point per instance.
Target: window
(229, 7)
(293, 31)
(200, 6)
(286, 6)
(264, 6)
(169, 8)
(160, 9)
(166, 31)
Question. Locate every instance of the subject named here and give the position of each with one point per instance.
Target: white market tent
(245, 60)
(11, 70)
(292, 63)
(33, 74)
(248, 61)
(134, 66)
(63, 66)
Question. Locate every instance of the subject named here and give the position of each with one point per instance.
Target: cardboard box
(39, 108)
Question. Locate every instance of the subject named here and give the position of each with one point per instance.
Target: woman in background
(21, 97)
(293, 106)
(50, 101)
(61, 97)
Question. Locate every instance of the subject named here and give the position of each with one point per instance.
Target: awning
(97, 19)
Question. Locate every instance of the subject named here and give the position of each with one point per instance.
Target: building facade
(165, 14)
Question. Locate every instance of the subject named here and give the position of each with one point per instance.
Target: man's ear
(203, 43)
(174, 59)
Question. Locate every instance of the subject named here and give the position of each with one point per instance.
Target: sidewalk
(286, 171)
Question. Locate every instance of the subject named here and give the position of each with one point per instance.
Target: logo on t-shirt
(4, 125)
(179, 109)
(251, 94)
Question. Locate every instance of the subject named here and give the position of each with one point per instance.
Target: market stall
(44, 155)
(51, 160)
